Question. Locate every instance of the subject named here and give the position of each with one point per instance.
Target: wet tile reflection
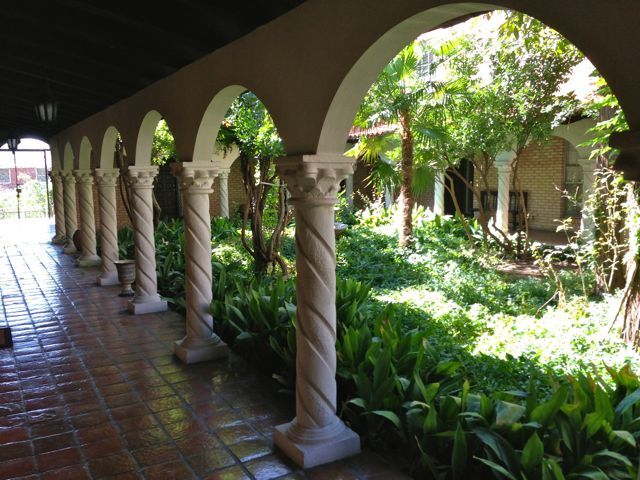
(89, 391)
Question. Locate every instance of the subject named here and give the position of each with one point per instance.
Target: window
(5, 175)
(572, 184)
(426, 65)
(41, 174)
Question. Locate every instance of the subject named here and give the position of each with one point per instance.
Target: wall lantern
(47, 108)
(47, 111)
(13, 142)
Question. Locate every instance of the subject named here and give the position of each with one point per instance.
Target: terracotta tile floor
(89, 391)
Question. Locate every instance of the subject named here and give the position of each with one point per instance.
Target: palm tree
(404, 95)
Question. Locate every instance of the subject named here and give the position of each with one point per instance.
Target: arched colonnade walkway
(311, 68)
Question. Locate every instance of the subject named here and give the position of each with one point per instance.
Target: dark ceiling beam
(77, 87)
(217, 24)
(103, 56)
(85, 33)
(185, 45)
(70, 78)
(60, 53)
(94, 54)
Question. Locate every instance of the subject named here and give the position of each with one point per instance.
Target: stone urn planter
(339, 228)
(77, 240)
(126, 276)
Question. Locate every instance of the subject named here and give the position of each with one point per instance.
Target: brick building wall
(121, 212)
(541, 172)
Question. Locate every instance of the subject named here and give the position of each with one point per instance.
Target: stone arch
(209, 126)
(108, 147)
(84, 157)
(228, 158)
(144, 141)
(68, 157)
(365, 70)
(577, 134)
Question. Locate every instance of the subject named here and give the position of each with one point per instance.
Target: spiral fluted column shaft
(70, 214)
(107, 180)
(316, 435)
(200, 343)
(141, 184)
(316, 296)
(89, 257)
(58, 206)
(223, 184)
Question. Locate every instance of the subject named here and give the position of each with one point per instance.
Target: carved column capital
(107, 177)
(314, 178)
(504, 162)
(195, 177)
(142, 177)
(55, 175)
(224, 172)
(83, 177)
(68, 177)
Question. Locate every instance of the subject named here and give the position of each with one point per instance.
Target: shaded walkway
(89, 391)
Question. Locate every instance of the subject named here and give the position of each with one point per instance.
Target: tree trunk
(406, 195)
(265, 253)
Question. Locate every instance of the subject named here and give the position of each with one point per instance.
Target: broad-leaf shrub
(403, 396)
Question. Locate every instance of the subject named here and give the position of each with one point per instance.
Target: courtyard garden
(454, 368)
(449, 363)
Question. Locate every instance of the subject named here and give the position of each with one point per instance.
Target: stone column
(588, 165)
(88, 256)
(70, 218)
(438, 194)
(504, 165)
(58, 207)
(348, 190)
(107, 180)
(316, 435)
(146, 299)
(200, 343)
(223, 179)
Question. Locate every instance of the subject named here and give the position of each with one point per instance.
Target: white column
(349, 190)
(316, 435)
(223, 179)
(438, 194)
(146, 299)
(88, 256)
(504, 165)
(588, 165)
(70, 218)
(58, 207)
(200, 343)
(107, 180)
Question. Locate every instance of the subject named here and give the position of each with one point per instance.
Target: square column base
(147, 307)
(107, 279)
(201, 353)
(346, 444)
